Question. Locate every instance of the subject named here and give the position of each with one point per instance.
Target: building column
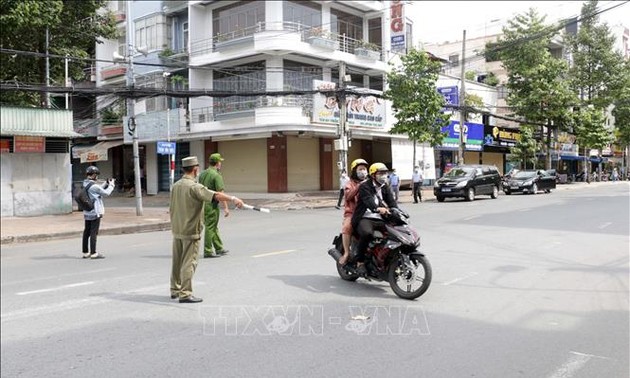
(274, 15)
(274, 74)
(326, 17)
(151, 169)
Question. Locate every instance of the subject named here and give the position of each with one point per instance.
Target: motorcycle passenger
(375, 198)
(358, 174)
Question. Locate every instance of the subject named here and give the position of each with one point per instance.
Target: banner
(473, 131)
(397, 26)
(365, 110)
(29, 144)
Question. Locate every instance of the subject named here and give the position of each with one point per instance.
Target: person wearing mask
(93, 217)
(358, 174)
(343, 180)
(186, 212)
(375, 198)
(417, 180)
(394, 182)
(212, 179)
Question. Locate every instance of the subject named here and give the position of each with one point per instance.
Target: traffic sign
(166, 148)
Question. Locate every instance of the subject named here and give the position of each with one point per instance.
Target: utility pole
(47, 69)
(67, 83)
(343, 133)
(131, 80)
(462, 112)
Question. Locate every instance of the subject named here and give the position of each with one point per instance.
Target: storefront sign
(5, 146)
(500, 136)
(473, 132)
(366, 110)
(29, 144)
(451, 97)
(397, 26)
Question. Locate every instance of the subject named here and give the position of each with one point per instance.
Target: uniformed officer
(186, 211)
(212, 179)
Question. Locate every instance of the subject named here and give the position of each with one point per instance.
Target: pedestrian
(93, 217)
(212, 179)
(343, 181)
(417, 180)
(394, 182)
(615, 174)
(186, 212)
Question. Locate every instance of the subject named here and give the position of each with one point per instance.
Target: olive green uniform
(186, 210)
(212, 179)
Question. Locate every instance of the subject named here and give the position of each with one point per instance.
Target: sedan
(530, 182)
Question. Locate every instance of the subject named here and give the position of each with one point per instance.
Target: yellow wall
(245, 165)
(302, 164)
(471, 157)
(382, 153)
(494, 158)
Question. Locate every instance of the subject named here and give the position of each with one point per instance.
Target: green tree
(590, 131)
(74, 28)
(473, 104)
(621, 112)
(415, 100)
(524, 152)
(538, 91)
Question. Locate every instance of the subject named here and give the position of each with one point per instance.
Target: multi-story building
(271, 142)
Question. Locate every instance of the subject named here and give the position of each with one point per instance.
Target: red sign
(396, 13)
(29, 144)
(4, 145)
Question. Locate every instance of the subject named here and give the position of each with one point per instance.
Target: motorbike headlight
(461, 184)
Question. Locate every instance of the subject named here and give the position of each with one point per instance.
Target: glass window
(346, 24)
(185, 36)
(152, 32)
(375, 31)
(300, 76)
(302, 13)
(250, 77)
(241, 16)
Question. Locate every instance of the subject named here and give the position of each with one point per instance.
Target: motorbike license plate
(446, 189)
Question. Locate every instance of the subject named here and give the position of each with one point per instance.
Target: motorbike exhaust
(334, 253)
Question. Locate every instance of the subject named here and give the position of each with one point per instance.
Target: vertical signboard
(397, 26)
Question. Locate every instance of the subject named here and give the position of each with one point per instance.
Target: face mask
(361, 175)
(381, 179)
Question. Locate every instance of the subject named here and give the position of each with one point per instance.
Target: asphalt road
(524, 286)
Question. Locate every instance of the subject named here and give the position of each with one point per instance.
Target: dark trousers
(417, 191)
(90, 232)
(365, 229)
(341, 193)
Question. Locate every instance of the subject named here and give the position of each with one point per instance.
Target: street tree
(590, 131)
(538, 91)
(524, 152)
(416, 103)
(74, 28)
(621, 110)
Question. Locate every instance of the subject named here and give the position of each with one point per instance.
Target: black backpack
(84, 201)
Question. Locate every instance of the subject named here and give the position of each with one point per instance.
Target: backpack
(84, 201)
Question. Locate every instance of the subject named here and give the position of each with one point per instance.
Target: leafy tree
(74, 29)
(470, 75)
(473, 104)
(416, 102)
(621, 112)
(538, 91)
(590, 131)
(524, 152)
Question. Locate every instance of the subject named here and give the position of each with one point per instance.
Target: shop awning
(571, 157)
(95, 152)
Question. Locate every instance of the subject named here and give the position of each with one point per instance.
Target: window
(153, 32)
(185, 36)
(375, 31)
(240, 16)
(300, 76)
(376, 82)
(346, 24)
(454, 59)
(409, 36)
(155, 80)
(56, 146)
(302, 12)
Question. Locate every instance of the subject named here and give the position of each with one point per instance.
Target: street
(524, 285)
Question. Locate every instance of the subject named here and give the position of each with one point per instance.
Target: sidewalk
(120, 213)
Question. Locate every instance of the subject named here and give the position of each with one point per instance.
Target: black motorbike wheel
(410, 282)
(345, 275)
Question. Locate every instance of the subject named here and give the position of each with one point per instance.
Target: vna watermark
(312, 320)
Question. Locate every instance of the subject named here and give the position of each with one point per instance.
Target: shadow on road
(332, 284)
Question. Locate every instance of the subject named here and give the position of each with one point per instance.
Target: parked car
(468, 181)
(530, 182)
(554, 174)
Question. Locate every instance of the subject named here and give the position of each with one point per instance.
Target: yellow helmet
(357, 162)
(378, 167)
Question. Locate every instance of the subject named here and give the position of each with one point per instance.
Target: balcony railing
(230, 108)
(245, 35)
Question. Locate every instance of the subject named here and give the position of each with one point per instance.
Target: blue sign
(451, 96)
(472, 131)
(398, 42)
(166, 148)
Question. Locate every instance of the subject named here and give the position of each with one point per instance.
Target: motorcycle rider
(358, 173)
(375, 198)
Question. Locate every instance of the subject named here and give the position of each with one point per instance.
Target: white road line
(471, 218)
(460, 278)
(605, 225)
(573, 364)
(275, 253)
(55, 288)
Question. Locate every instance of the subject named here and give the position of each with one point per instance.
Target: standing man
(343, 180)
(93, 217)
(212, 179)
(186, 210)
(417, 180)
(394, 182)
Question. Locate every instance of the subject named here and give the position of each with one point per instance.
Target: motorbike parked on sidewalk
(393, 255)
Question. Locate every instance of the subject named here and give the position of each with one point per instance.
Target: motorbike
(393, 255)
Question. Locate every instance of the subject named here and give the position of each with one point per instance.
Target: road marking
(605, 225)
(471, 218)
(275, 253)
(573, 364)
(55, 288)
(460, 278)
(58, 276)
(523, 210)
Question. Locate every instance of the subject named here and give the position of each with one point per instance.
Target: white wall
(36, 184)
